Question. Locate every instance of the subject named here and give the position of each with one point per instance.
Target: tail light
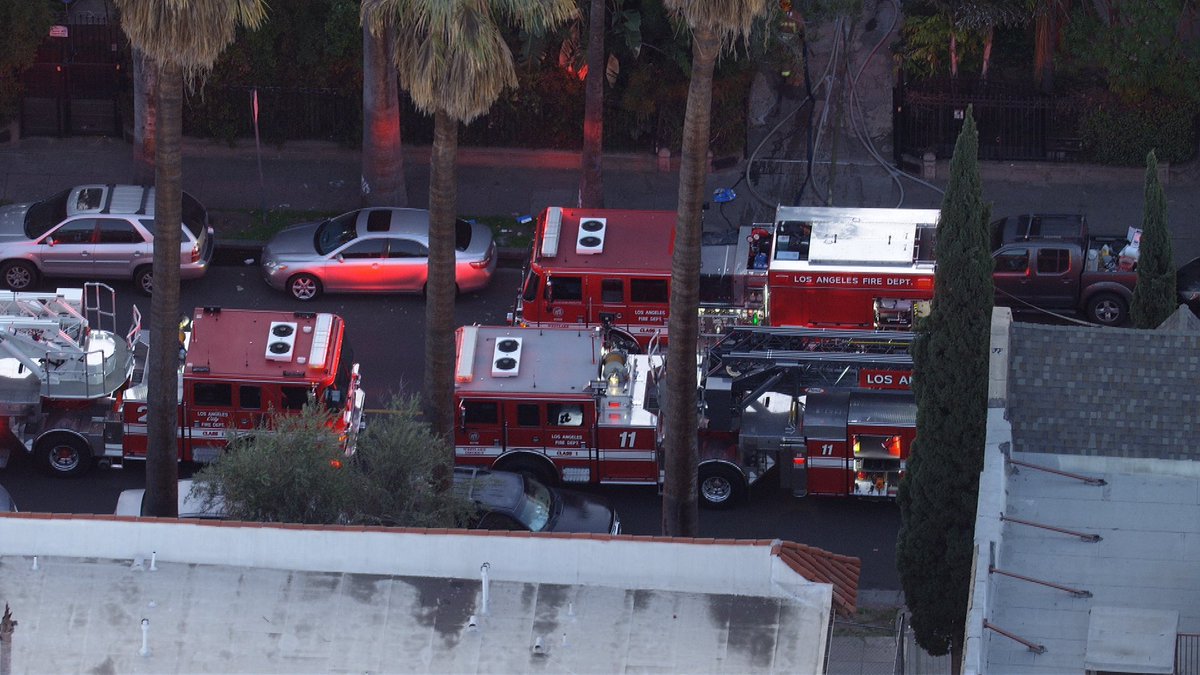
(196, 253)
(487, 259)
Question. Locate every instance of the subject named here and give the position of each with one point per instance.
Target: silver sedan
(375, 250)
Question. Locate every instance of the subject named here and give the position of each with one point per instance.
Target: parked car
(511, 501)
(504, 500)
(132, 503)
(7, 505)
(378, 250)
(1187, 285)
(96, 232)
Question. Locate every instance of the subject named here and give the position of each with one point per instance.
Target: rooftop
(276, 345)
(629, 240)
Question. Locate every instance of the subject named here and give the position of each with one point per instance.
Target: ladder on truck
(757, 357)
(63, 345)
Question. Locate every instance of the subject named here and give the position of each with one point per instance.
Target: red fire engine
(242, 365)
(850, 268)
(66, 376)
(820, 267)
(609, 267)
(831, 410)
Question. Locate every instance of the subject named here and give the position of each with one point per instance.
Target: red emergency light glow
(893, 446)
(798, 461)
(925, 283)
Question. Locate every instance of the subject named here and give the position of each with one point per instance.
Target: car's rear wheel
(720, 486)
(143, 278)
(19, 275)
(304, 287)
(1107, 309)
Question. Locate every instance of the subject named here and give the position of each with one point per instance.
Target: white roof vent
(591, 235)
(281, 340)
(506, 359)
(553, 229)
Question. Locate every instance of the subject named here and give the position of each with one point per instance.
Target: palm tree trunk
(440, 289)
(162, 456)
(382, 159)
(953, 53)
(987, 50)
(591, 177)
(680, 516)
(1045, 39)
(145, 95)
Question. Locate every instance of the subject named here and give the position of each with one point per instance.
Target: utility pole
(6, 630)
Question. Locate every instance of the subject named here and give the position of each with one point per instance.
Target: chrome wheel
(716, 489)
(19, 276)
(304, 287)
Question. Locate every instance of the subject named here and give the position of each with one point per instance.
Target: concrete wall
(698, 566)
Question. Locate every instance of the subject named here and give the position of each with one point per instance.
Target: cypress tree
(1154, 297)
(950, 375)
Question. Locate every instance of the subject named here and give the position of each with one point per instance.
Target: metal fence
(284, 113)
(74, 84)
(1014, 121)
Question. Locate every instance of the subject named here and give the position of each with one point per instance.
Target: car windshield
(462, 235)
(534, 510)
(335, 232)
(46, 214)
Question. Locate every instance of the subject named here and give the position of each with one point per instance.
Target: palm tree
(454, 62)
(714, 25)
(382, 160)
(591, 176)
(183, 38)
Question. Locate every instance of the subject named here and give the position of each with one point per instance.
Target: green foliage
(1139, 52)
(925, 46)
(1119, 132)
(1154, 297)
(297, 473)
(950, 373)
(26, 23)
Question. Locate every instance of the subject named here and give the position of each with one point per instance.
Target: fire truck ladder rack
(818, 357)
(50, 349)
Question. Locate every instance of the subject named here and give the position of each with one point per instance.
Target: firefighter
(791, 39)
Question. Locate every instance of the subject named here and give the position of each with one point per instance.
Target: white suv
(96, 232)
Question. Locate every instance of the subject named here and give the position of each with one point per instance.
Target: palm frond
(729, 19)
(189, 33)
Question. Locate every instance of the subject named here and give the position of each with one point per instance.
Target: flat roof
(548, 361)
(632, 241)
(242, 343)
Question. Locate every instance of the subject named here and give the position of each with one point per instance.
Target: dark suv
(511, 501)
(96, 232)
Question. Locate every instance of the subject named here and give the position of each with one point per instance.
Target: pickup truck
(1049, 262)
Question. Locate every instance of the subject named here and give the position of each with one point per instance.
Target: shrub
(1115, 132)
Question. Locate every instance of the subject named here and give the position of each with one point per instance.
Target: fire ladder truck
(832, 410)
(63, 368)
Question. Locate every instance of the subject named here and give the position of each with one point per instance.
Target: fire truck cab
(554, 404)
(609, 267)
(849, 268)
(238, 367)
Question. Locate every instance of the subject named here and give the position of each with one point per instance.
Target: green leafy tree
(950, 375)
(714, 24)
(296, 472)
(1155, 296)
(183, 38)
(26, 23)
(454, 62)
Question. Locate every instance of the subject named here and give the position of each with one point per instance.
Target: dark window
(566, 289)
(79, 231)
(250, 398)
(480, 412)
(531, 286)
(379, 220)
(335, 232)
(612, 290)
(495, 520)
(294, 398)
(46, 214)
(565, 414)
(114, 231)
(792, 239)
(212, 394)
(406, 248)
(528, 415)
(366, 249)
(1053, 261)
(1012, 260)
(462, 234)
(648, 290)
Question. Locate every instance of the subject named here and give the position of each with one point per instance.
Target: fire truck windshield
(341, 379)
(531, 286)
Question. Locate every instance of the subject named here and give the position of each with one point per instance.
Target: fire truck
(821, 267)
(612, 268)
(72, 388)
(240, 366)
(830, 411)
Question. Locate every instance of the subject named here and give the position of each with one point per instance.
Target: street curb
(239, 252)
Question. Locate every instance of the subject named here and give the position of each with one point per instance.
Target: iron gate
(74, 85)
(1014, 122)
